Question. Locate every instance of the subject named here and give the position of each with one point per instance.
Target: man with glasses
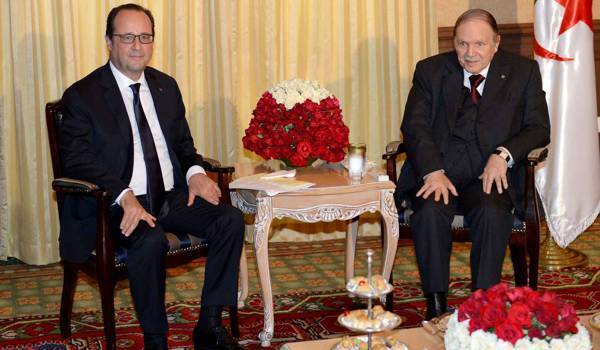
(124, 128)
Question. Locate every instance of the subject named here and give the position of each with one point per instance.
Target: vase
(287, 164)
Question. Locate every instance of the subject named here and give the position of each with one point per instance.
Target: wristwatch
(503, 154)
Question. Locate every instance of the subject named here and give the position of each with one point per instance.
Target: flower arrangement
(298, 122)
(502, 318)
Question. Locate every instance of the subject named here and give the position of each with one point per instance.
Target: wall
(505, 11)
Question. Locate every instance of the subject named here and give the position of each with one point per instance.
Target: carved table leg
(261, 246)
(351, 247)
(391, 233)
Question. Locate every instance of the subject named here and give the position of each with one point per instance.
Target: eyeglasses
(130, 38)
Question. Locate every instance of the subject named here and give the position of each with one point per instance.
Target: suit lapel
(115, 104)
(494, 84)
(452, 89)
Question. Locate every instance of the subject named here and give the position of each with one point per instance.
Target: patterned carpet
(307, 281)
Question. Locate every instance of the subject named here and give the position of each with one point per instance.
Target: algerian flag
(569, 182)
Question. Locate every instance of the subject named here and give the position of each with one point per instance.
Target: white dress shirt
(138, 183)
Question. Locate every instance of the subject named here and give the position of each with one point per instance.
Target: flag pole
(555, 258)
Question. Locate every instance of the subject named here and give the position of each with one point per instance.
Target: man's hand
(133, 212)
(438, 184)
(202, 186)
(494, 173)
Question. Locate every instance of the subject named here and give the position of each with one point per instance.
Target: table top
(327, 177)
(418, 339)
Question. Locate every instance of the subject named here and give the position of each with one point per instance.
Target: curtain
(224, 55)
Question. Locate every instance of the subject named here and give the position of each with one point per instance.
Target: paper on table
(280, 173)
(271, 186)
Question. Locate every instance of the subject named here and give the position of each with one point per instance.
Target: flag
(569, 181)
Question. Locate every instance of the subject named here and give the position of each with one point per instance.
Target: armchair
(108, 263)
(524, 240)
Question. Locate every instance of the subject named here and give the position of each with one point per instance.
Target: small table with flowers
(334, 197)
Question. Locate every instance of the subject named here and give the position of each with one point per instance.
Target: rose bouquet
(298, 122)
(519, 318)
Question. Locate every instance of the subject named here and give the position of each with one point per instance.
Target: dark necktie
(155, 190)
(475, 79)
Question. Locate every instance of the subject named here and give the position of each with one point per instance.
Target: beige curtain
(224, 54)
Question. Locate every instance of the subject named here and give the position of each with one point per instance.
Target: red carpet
(298, 316)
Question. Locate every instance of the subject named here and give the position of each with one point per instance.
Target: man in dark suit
(124, 128)
(471, 118)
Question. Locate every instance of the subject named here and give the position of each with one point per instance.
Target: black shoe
(436, 305)
(216, 339)
(153, 341)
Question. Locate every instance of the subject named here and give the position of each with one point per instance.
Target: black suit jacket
(96, 145)
(512, 113)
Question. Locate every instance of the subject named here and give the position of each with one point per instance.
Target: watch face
(502, 154)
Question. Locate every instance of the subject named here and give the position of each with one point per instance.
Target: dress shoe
(436, 305)
(217, 338)
(154, 341)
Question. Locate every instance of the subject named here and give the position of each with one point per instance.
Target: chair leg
(106, 283)
(533, 250)
(233, 321)
(68, 294)
(243, 289)
(519, 260)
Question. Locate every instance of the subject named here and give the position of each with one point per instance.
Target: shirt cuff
(435, 171)
(193, 170)
(512, 159)
(118, 200)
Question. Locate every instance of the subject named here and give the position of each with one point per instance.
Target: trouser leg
(146, 252)
(223, 226)
(430, 227)
(490, 219)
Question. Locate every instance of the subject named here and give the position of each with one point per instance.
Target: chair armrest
(393, 149)
(214, 165)
(65, 185)
(105, 250)
(537, 156)
(222, 174)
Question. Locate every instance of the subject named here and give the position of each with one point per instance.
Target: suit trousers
(222, 225)
(489, 218)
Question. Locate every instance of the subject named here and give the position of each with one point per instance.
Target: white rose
(290, 92)
(481, 340)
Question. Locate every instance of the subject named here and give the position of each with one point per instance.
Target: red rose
(468, 309)
(547, 313)
(303, 148)
(492, 315)
(534, 332)
(298, 160)
(553, 330)
(568, 311)
(517, 294)
(519, 314)
(509, 331)
(568, 325)
(474, 325)
(498, 293)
